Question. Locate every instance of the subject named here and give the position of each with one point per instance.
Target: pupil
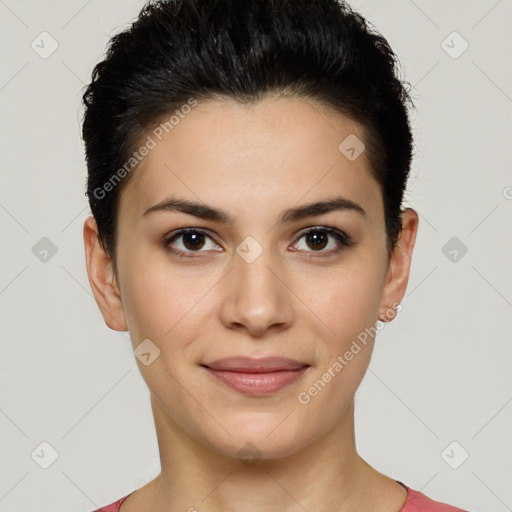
(318, 240)
(196, 241)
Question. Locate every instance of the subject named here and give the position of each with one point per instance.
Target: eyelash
(342, 238)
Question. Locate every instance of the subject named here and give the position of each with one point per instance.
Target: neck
(326, 475)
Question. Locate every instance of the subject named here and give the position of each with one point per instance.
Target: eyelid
(341, 237)
(166, 242)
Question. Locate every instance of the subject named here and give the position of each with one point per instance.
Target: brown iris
(319, 239)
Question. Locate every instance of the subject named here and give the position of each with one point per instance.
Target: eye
(317, 238)
(193, 241)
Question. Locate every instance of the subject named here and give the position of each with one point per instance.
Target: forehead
(278, 152)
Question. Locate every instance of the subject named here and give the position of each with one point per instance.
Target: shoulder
(113, 507)
(418, 502)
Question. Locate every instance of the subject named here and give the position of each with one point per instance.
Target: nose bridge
(253, 263)
(257, 298)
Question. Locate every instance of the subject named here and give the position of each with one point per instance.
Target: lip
(256, 377)
(252, 365)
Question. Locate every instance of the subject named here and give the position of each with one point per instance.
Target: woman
(247, 163)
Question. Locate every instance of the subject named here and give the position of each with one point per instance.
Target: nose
(255, 295)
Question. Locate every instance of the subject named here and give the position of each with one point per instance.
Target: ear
(102, 278)
(399, 266)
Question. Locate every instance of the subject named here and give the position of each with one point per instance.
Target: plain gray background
(441, 371)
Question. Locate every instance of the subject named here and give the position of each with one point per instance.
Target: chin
(252, 441)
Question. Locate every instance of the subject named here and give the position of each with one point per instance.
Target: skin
(254, 162)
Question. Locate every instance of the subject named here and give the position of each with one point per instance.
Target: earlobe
(102, 278)
(399, 266)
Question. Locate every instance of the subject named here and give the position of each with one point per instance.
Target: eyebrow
(204, 211)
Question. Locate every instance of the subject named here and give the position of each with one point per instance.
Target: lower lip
(258, 384)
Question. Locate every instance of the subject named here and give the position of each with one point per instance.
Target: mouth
(256, 377)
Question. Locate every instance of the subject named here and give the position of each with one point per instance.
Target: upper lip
(251, 365)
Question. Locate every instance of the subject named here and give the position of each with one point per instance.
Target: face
(256, 280)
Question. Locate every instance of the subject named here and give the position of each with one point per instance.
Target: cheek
(349, 302)
(161, 302)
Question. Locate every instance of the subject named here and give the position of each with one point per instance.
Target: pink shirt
(416, 502)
